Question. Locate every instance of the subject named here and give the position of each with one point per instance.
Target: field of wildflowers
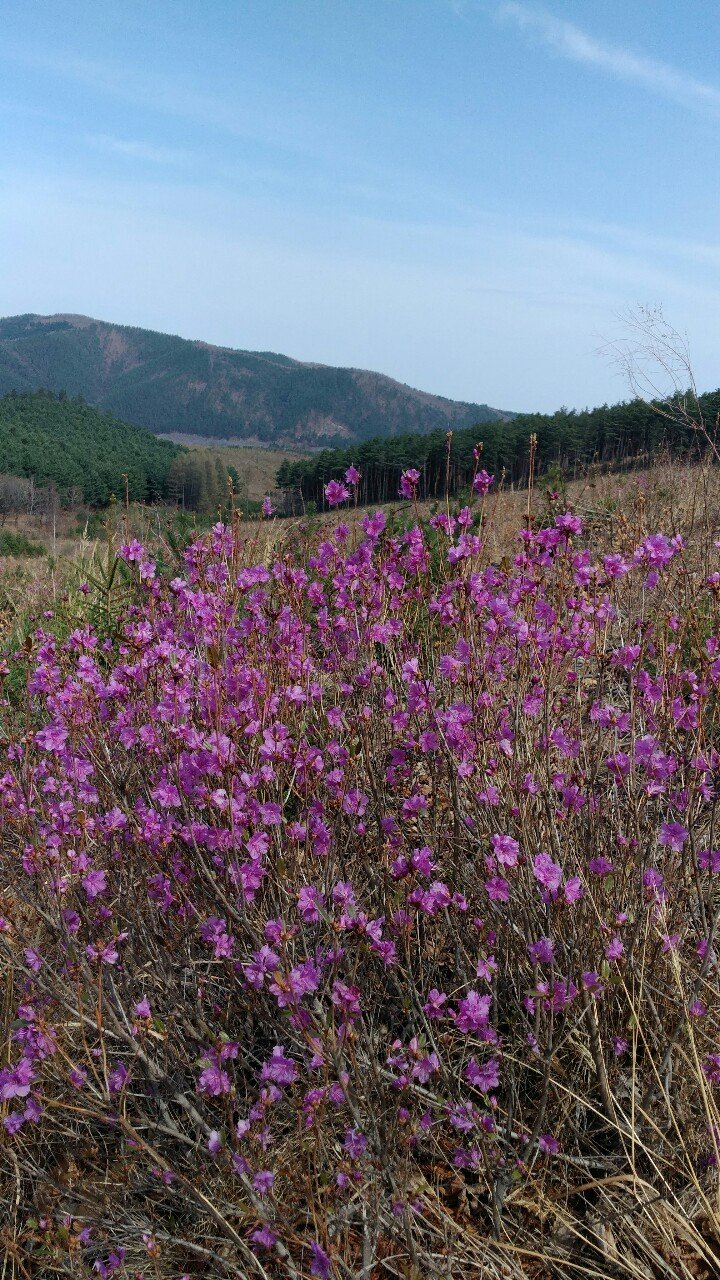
(359, 909)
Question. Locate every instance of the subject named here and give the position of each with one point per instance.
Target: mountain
(174, 386)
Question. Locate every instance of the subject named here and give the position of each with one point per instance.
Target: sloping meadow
(359, 913)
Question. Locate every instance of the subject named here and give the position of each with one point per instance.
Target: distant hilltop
(178, 387)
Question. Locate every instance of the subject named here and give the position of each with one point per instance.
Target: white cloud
(275, 120)
(570, 42)
(137, 150)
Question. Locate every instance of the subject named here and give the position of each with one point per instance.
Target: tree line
(567, 439)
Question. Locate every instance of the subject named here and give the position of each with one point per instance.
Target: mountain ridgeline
(616, 434)
(173, 386)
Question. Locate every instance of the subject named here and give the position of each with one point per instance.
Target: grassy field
(256, 467)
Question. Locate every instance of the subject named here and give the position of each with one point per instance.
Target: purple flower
(267, 507)
(615, 566)
(105, 953)
(167, 795)
(346, 998)
(71, 920)
(573, 890)
(263, 1181)
(547, 872)
(355, 1143)
(278, 1068)
(409, 482)
(506, 850)
(213, 1081)
(542, 951)
(547, 1143)
(568, 523)
(352, 476)
(265, 1237)
(653, 879)
(433, 1006)
(425, 1067)
(374, 524)
(335, 493)
(310, 902)
(462, 1116)
(53, 738)
(320, 1264)
(709, 860)
(591, 981)
(473, 1012)
(485, 1076)
(711, 1068)
(656, 551)
(132, 551)
(15, 1081)
(94, 884)
(482, 482)
(214, 1142)
(674, 835)
(117, 1077)
(112, 1263)
(33, 1111)
(497, 889)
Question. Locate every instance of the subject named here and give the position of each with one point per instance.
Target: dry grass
(256, 467)
(670, 495)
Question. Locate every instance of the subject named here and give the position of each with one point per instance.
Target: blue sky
(464, 194)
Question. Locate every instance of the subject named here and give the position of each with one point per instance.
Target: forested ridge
(609, 434)
(170, 385)
(82, 451)
(84, 455)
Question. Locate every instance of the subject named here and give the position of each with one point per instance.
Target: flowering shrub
(358, 920)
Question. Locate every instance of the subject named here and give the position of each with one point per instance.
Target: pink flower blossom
(213, 1081)
(673, 835)
(482, 482)
(473, 1012)
(409, 482)
(335, 493)
(547, 872)
(485, 1076)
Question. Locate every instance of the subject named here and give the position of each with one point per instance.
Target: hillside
(170, 384)
(83, 452)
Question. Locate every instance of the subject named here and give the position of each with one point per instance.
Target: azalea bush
(359, 911)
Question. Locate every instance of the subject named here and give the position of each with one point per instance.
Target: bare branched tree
(654, 358)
